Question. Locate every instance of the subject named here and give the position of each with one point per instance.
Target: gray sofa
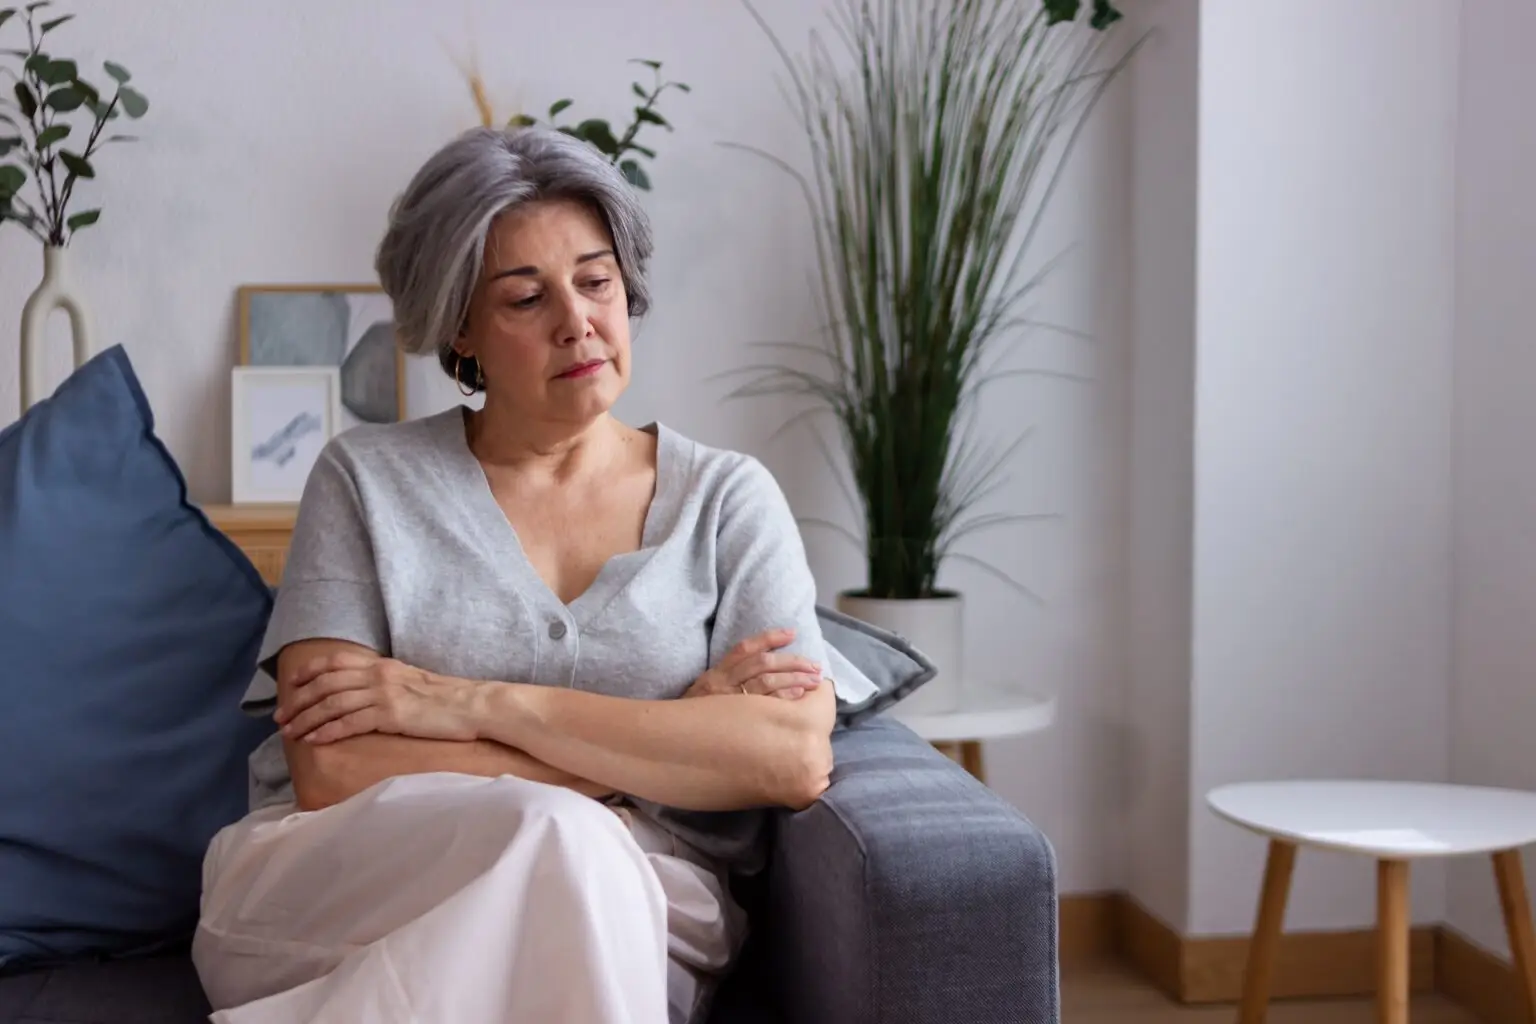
(909, 894)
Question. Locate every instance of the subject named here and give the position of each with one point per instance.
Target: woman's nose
(572, 325)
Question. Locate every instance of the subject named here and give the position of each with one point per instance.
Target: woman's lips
(586, 369)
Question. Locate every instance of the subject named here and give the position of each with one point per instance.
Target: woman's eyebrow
(531, 271)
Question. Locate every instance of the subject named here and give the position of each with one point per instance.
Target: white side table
(1394, 822)
(986, 715)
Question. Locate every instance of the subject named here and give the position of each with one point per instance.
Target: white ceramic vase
(933, 626)
(58, 290)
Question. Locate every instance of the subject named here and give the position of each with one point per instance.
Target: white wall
(1069, 779)
(1323, 404)
(279, 132)
(1493, 714)
(1166, 176)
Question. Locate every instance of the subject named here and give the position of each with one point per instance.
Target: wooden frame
(245, 292)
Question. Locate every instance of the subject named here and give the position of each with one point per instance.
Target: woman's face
(549, 319)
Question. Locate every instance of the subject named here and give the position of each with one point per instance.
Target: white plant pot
(933, 626)
(57, 291)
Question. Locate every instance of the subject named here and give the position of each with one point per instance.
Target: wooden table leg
(1517, 922)
(970, 758)
(1266, 931)
(1392, 942)
(965, 753)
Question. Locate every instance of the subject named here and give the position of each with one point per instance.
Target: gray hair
(432, 254)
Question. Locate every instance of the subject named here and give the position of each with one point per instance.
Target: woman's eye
(525, 303)
(597, 282)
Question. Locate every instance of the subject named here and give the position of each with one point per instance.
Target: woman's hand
(754, 667)
(348, 693)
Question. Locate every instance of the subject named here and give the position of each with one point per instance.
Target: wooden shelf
(261, 531)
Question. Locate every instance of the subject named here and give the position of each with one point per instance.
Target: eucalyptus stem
(621, 151)
(47, 89)
(90, 146)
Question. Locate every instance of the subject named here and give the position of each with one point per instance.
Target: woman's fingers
(767, 662)
(337, 661)
(740, 670)
(779, 683)
(759, 644)
(355, 724)
(319, 689)
(335, 706)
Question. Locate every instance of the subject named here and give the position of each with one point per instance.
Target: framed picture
(280, 419)
(350, 327)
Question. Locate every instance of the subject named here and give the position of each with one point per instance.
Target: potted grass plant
(937, 140)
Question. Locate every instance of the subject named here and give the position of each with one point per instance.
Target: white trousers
(454, 899)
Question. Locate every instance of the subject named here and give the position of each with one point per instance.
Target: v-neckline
(501, 536)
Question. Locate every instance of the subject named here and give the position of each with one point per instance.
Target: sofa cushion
(164, 990)
(153, 990)
(129, 628)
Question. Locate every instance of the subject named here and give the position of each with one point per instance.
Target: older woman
(484, 804)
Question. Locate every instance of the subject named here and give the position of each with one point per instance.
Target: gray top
(400, 546)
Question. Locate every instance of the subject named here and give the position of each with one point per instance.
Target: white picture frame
(280, 419)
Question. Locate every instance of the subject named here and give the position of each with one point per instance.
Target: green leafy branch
(620, 149)
(47, 89)
(1104, 12)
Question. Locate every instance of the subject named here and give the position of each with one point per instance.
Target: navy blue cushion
(129, 628)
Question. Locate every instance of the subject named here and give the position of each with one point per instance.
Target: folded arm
(352, 718)
(328, 773)
(715, 753)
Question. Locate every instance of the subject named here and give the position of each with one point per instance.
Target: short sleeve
(330, 586)
(765, 581)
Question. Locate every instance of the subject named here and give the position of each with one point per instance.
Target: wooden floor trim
(1477, 979)
(1088, 929)
(1149, 945)
(1307, 964)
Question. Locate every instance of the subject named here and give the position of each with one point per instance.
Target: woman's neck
(558, 451)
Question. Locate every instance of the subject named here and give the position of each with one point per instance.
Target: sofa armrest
(910, 892)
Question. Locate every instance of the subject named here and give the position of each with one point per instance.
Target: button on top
(556, 630)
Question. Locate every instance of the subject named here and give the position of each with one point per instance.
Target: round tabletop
(983, 715)
(1393, 820)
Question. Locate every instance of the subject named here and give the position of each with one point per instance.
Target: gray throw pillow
(892, 666)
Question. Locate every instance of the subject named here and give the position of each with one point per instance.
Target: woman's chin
(586, 404)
